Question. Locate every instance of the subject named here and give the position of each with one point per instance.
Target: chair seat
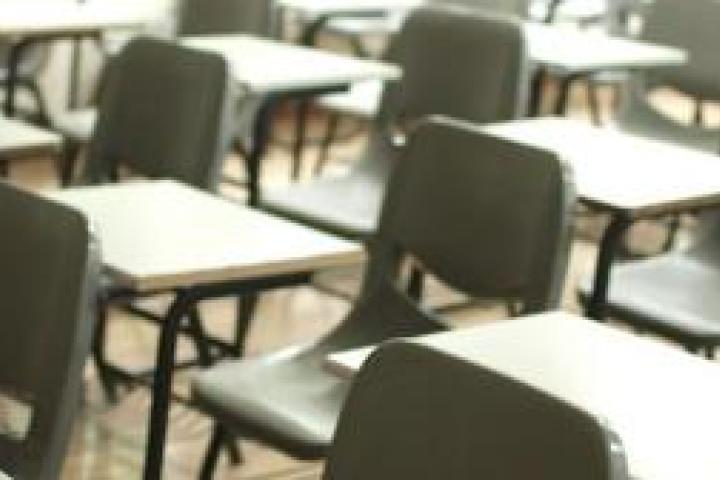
(362, 100)
(643, 120)
(76, 125)
(286, 399)
(674, 295)
(348, 206)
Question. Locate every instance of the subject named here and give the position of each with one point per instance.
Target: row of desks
(271, 72)
(161, 235)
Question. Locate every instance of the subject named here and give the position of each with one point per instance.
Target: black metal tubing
(262, 127)
(15, 55)
(609, 245)
(186, 299)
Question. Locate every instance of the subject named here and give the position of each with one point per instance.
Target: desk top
(20, 138)
(66, 18)
(575, 51)
(267, 66)
(347, 7)
(620, 171)
(563, 48)
(162, 234)
(660, 400)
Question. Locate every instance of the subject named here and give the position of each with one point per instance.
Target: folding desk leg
(162, 383)
(246, 305)
(14, 57)
(261, 137)
(609, 245)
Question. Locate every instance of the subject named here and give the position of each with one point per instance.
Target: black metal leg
(611, 241)
(536, 92)
(213, 453)
(593, 96)
(4, 167)
(98, 350)
(330, 133)
(309, 34)
(198, 337)
(66, 164)
(246, 305)
(561, 102)
(14, 58)
(301, 120)
(261, 137)
(416, 283)
(162, 384)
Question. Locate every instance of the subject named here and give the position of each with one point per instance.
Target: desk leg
(14, 58)
(162, 384)
(609, 245)
(260, 140)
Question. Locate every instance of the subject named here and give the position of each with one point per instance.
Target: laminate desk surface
(620, 171)
(340, 7)
(265, 66)
(661, 401)
(161, 235)
(20, 138)
(64, 18)
(575, 51)
(562, 48)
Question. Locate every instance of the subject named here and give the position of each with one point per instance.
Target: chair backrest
(517, 8)
(48, 272)
(486, 216)
(692, 25)
(201, 17)
(165, 112)
(418, 413)
(457, 62)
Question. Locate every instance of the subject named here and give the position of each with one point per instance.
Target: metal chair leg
(301, 120)
(328, 139)
(98, 351)
(67, 161)
(246, 305)
(213, 453)
(4, 167)
(416, 284)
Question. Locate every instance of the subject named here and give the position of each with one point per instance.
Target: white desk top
(564, 48)
(619, 171)
(62, 17)
(339, 7)
(575, 51)
(267, 66)
(20, 138)
(159, 235)
(660, 400)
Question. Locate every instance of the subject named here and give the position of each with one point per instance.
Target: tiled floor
(109, 439)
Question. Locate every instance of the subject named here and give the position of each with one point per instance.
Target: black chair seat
(674, 295)
(285, 399)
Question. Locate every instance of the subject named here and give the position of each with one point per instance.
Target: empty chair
(414, 412)
(487, 217)
(196, 17)
(456, 63)
(166, 112)
(689, 25)
(48, 271)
